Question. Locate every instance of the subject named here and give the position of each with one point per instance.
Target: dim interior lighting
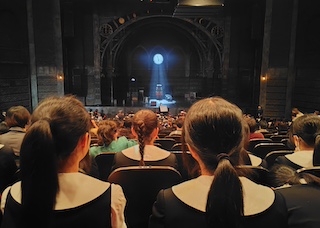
(133, 79)
(60, 77)
(121, 20)
(201, 2)
(264, 78)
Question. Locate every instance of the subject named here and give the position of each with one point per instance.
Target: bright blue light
(158, 59)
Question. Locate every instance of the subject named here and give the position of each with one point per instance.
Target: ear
(134, 133)
(154, 133)
(84, 144)
(296, 140)
(193, 153)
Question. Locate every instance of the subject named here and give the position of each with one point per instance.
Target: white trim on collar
(303, 158)
(151, 153)
(257, 198)
(75, 190)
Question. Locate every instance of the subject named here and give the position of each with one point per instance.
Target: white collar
(302, 158)
(151, 153)
(256, 198)
(75, 189)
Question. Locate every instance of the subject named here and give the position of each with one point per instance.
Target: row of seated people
(261, 170)
(56, 145)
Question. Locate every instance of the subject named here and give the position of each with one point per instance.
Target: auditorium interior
(133, 54)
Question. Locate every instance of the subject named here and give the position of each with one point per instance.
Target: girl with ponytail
(52, 193)
(303, 134)
(145, 129)
(219, 197)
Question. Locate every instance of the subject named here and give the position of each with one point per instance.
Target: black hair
(214, 126)
(56, 127)
(306, 127)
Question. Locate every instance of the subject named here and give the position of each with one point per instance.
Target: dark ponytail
(316, 153)
(38, 174)
(225, 198)
(56, 127)
(214, 125)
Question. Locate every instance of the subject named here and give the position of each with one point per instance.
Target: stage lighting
(158, 58)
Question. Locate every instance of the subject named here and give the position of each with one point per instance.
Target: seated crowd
(48, 168)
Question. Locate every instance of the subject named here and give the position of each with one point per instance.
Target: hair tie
(222, 156)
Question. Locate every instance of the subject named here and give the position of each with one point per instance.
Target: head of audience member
(8, 167)
(213, 131)
(3, 127)
(316, 153)
(253, 126)
(145, 127)
(125, 130)
(17, 116)
(246, 135)
(57, 140)
(286, 175)
(295, 113)
(304, 131)
(107, 132)
(263, 124)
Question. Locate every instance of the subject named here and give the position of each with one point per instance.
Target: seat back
(177, 138)
(262, 149)
(272, 156)
(315, 170)
(257, 174)
(177, 147)
(104, 162)
(278, 138)
(166, 143)
(183, 159)
(254, 142)
(141, 185)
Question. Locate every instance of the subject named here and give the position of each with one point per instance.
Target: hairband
(222, 156)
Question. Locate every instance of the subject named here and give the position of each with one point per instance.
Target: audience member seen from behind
(8, 167)
(295, 113)
(3, 125)
(178, 125)
(52, 193)
(254, 134)
(301, 192)
(248, 158)
(303, 133)
(125, 129)
(108, 140)
(218, 197)
(145, 129)
(17, 118)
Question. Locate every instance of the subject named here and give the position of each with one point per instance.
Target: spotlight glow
(158, 59)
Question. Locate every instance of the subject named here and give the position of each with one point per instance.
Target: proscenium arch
(185, 26)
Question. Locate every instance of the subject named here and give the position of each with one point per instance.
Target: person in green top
(108, 140)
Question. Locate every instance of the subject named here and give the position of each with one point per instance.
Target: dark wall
(307, 82)
(77, 45)
(14, 58)
(247, 24)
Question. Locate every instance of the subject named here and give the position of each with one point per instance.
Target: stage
(171, 107)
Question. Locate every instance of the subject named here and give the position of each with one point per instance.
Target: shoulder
(117, 195)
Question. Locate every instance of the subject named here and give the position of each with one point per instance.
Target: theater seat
(257, 174)
(166, 143)
(315, 170)
(262, 149)
(104, 162)
(141, 185)
(272, 156)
